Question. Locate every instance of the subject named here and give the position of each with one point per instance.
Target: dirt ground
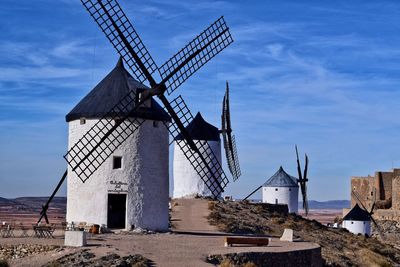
(323, 216)
(192, 239)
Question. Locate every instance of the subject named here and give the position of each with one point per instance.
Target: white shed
(281, 188)
(131, 188)
(187, 183)
(357, 221)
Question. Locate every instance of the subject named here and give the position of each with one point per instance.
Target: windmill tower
(187, 182)
(281, 188)
(131, 188)
(128, 118)
(358, 219)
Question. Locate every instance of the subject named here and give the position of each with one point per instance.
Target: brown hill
(339, 247)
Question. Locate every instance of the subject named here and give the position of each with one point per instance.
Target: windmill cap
(357, 214)
(199, 129)
(281, 179)
(106, 94)
(120, 63)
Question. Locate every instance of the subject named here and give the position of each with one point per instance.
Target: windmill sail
(119, 31)
(195, 54)
(302, 180)
(229, 138)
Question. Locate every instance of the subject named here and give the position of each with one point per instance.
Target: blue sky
(322, 74)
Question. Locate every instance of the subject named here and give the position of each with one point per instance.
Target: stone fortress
(384, 187)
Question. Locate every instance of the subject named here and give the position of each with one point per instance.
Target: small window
(276, 189)
(352, 222)
(276, 201)
(363, 222)
(117, 162)
(82, 121)
(155, 124)
(290, 189)
(372, 193)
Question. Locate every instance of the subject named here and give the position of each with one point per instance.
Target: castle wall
(396, 193)
(385, 184)
(362, 186)
(388, 214)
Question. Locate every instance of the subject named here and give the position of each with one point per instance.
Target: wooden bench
(258, 241)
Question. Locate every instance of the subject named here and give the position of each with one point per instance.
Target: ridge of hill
(339, 247)
(330, 204)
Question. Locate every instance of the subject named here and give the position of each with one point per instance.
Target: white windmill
(186, 181)
(281, 188)
(123, 190)
(118, 141)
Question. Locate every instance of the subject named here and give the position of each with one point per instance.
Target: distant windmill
(358, 219)
(288, 193)
(101, 140)
(187, 182)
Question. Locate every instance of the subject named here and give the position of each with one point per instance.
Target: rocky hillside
(86, 258)
(339, 247)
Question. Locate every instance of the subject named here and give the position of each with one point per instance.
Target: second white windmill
(187, 182)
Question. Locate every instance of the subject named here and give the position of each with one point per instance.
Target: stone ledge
(299, 258)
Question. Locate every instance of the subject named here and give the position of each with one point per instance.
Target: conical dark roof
(117, 84)
(357, 214)
(199, 129)
(281, 179)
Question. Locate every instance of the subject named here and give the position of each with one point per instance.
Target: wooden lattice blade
(202, 158)
(194, 55)
(103, 138)
(119, 31)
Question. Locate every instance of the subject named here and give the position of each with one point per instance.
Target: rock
(287, 235)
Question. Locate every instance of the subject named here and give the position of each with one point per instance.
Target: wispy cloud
(321, 75)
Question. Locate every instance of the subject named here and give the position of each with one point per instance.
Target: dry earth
(26, 210)
(323, 216)
(189, 244)
(339, 247)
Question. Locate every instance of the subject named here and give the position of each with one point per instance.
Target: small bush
(227, 263)
(211, 205)
(250, 264)
(3, 263)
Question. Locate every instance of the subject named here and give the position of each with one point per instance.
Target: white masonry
(281, 188)
(186, 181)
(135, 176)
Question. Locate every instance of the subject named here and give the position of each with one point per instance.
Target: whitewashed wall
(358, 227)
(187, 183)
(284, 195)
(144, 178)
